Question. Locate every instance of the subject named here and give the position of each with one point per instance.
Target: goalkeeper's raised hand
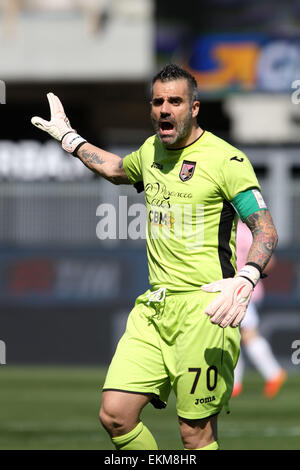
(59, 126)
(229, 307)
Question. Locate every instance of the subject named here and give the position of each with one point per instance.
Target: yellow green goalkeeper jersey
(191, 223)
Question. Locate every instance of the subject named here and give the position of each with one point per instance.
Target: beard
(181, 129)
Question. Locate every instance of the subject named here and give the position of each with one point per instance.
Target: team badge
(187, 170)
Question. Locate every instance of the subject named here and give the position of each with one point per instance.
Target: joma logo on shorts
(200, 401)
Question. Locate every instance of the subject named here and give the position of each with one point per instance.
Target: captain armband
(248, 202)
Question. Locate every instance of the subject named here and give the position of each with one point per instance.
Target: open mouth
(166, 127)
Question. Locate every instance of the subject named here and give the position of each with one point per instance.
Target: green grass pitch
(56, 408)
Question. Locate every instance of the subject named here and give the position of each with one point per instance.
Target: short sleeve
(132, 166)
(237, 175)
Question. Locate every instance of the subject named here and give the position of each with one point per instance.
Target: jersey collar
(186, 146)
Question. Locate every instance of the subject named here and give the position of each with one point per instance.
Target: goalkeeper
(183, 333)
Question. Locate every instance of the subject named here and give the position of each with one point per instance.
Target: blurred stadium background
(64, 293)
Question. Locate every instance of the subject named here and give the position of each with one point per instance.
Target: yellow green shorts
(170, 343)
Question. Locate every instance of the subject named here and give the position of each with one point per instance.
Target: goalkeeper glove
(229, 307)
(59, 126)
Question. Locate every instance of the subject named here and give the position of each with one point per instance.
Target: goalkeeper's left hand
(229, 307)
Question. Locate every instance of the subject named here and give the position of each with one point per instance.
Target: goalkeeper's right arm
(106, 164)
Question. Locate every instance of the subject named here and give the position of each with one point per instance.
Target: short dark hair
(174, 72)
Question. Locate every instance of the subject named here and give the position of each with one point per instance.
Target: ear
(195, 108)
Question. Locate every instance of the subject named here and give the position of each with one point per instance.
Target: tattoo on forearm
(102, 163)
(264, 237)
(91, 157)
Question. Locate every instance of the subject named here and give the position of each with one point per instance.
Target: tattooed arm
(264, 238)
(104, 163)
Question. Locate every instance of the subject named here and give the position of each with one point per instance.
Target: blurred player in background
(254, 345)
(182, 333)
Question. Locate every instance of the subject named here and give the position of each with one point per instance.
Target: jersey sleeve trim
(131, 175)
(248, 202)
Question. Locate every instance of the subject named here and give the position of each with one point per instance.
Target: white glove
(59, 126)
(229, 307)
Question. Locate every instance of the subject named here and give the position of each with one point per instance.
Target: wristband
(71, 141)
(251, 273)
(75, 154)
(262, 275)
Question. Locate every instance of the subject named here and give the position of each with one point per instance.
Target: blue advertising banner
(239, 62)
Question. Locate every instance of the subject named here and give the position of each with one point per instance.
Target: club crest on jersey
(187, 170)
